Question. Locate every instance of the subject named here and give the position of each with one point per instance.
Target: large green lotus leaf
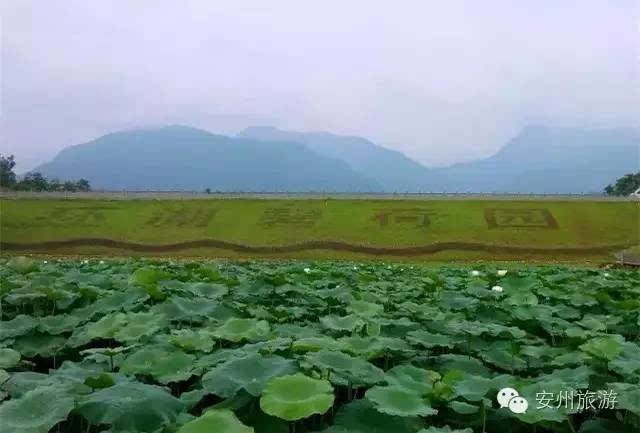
(192, 340)
(501, 354)
(164, 365)
(9, 358)
(344, 369)
(603, 425)
(55, 325)
(107, 326)
(514, 283)
(520, 298)
(429, 340)
(394, 345)
(314, 344)
(251, 374)
(627, 363)
(342, 323)
(22, 382)
(118, 301)
(24, 295)
(214, 421)
(608, 347)
(207, 290)
(221, 356)
(472, 388)
(4, 376)
(22, 265)
(37, 411)
(39, 345)
(412, 378)
(20, 325)
(627, 396)
(296, 397)
(461, 362)
(296, 332)
(445, 429)
(360, 416)
(192, 309)
(452, 300)
(398, 401)
(192, 398)
(365, 309)
(463, 408)
(130, 406)
(147, 279)
(363, 347)
(237, 330)
(139, 325)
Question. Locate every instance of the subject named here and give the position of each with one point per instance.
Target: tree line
(35, 181)
(626, 185)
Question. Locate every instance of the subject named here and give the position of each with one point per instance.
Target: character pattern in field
(289, 216)
(183, 217)
(520, 218)
(411, 217)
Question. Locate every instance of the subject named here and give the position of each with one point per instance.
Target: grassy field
(571, 230)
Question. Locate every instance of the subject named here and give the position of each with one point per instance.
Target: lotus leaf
(296, 397)
(192, 340)
(216, 421)
(360, 416)
(398, 401)
(37, 411)
(344, 369)
(342, 323)
(237, 330)
(164, 365)
(9, 358)
(604, 347)
(412, 378)
(130, 406)
(250, 373)
(20, 325)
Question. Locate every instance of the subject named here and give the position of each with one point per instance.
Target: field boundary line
(408, 251)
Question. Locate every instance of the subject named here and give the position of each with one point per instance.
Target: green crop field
(151, 346)
(436, 230)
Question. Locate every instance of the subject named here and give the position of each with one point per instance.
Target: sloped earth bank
(204, 246)
(156, 346)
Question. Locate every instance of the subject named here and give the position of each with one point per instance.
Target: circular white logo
(509, 397)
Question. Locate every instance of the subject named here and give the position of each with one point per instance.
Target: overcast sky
(442, 81)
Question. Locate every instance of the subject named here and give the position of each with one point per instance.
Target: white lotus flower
(307, 270)
(475, 273)
(497, 288)
(355, 268)
(102, 262)
(502, 272)
(606, 274)
(45, 262)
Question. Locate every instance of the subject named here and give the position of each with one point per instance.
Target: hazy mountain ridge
(185, 158)
(537, 160)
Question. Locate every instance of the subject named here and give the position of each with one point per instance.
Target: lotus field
(269, 347)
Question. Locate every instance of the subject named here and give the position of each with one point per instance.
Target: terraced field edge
(410, 251)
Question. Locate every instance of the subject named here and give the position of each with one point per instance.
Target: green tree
(83, 185)
(7, 176)
(625, 185)
(33, 182)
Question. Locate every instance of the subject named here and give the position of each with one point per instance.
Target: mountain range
(538, 160)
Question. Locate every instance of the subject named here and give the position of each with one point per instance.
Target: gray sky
(442, 81)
